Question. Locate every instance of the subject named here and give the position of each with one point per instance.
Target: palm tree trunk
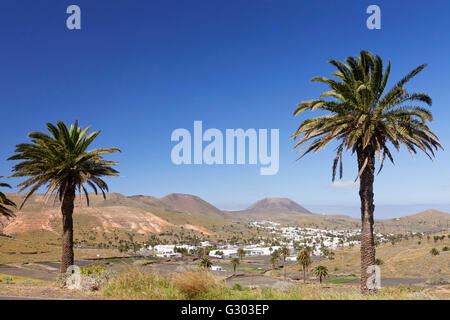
(304, 274)
(67, 238)
(367, 209)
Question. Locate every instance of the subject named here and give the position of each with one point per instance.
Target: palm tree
(5, 203)
(321, 272)
(205, 263)
(234, 262)
(304, 260)
(60, 163)
(361, 118)
(273, 260)
(241, 253)
(284, 251)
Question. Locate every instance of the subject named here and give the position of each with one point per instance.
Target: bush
(237, 287)
(92, 270)
(194, 283)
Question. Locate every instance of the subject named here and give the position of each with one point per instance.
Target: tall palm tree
(234, 262)
(321, 272)
(60, 163)
(304, 260)
(5, 203)
(284, 251)
(367, 121)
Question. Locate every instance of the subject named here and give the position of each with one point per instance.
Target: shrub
(194, 283)
(379, 262)
(237, 287)
(434, 252)
(92, 270)
(445, 248)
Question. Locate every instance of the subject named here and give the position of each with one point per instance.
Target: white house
(230, 253)
(216, 268)
(291, 258)
(169, 255)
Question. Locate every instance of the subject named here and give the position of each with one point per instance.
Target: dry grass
(136, 284)
(404, 259)
(200, 285)
(195, 283)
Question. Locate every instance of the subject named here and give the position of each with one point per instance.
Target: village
(319, 242)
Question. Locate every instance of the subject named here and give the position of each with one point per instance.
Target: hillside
(408, 258)
(146, 214)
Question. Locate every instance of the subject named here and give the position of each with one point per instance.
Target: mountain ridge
(148, 214)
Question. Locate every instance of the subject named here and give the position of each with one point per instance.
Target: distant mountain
(276, 205)
(274, 209)
(182, 203)
(147, 214)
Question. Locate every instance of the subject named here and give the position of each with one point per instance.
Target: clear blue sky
(140, 69)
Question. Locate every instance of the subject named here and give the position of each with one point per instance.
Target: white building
(230, 253)
(216, 268)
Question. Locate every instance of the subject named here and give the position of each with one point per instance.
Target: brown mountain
(146, 214)
(276, 205)
(138, 214)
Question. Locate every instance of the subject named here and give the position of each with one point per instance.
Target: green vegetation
(92, 270)
(367, 121)
(60, 162)
(434, 252)
(342, 280)
(7, 279)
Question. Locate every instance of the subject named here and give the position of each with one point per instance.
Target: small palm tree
(434, 252)
(273, 260)
(284, 251)
(234, 262)
(321, 272)
(241, 253)
(361, 118)
(61, 163)
(304, 260)
(5, 203)
(205, 263)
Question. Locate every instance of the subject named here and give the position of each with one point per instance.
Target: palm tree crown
(361, 117)
(205, 263)
(321, 272)
(5, 203)
(60, 161)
